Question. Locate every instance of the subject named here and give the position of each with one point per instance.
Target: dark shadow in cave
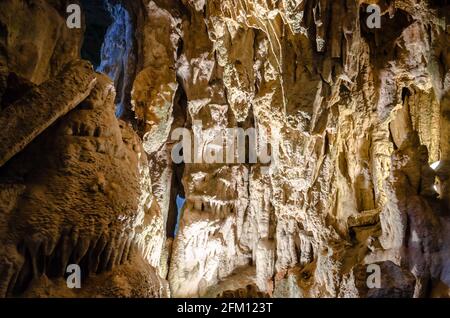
(177, 200)
(97, 20)
(177, 194)
(383, 41)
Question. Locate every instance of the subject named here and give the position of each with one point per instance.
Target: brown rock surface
(82, 200)
(56, 97)
(358, 128)
(35, 39)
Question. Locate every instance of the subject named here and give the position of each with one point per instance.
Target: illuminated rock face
(354, 117)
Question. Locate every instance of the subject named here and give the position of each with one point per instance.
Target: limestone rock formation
(350, 180)
(57, 97)
(35, 39)
(343, 187)
(64, 202)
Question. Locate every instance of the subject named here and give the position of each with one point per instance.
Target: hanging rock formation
(354, 121)
(22, 124)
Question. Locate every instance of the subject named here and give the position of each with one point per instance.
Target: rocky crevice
(355, 117)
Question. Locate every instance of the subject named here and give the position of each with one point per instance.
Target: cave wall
(355, 117)
(74, 179)
(35, 41)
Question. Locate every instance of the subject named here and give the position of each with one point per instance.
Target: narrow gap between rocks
(110, 45)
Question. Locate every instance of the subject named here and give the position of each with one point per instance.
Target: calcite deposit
(353, 200)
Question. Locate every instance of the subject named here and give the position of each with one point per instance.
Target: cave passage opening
(177, 191)
(177, 201)
(97, 20)
(110, 45)
(180, 204)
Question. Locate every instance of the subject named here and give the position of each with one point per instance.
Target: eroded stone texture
(354, 117)
(55, 97)
(84, 200)
(155, 84)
